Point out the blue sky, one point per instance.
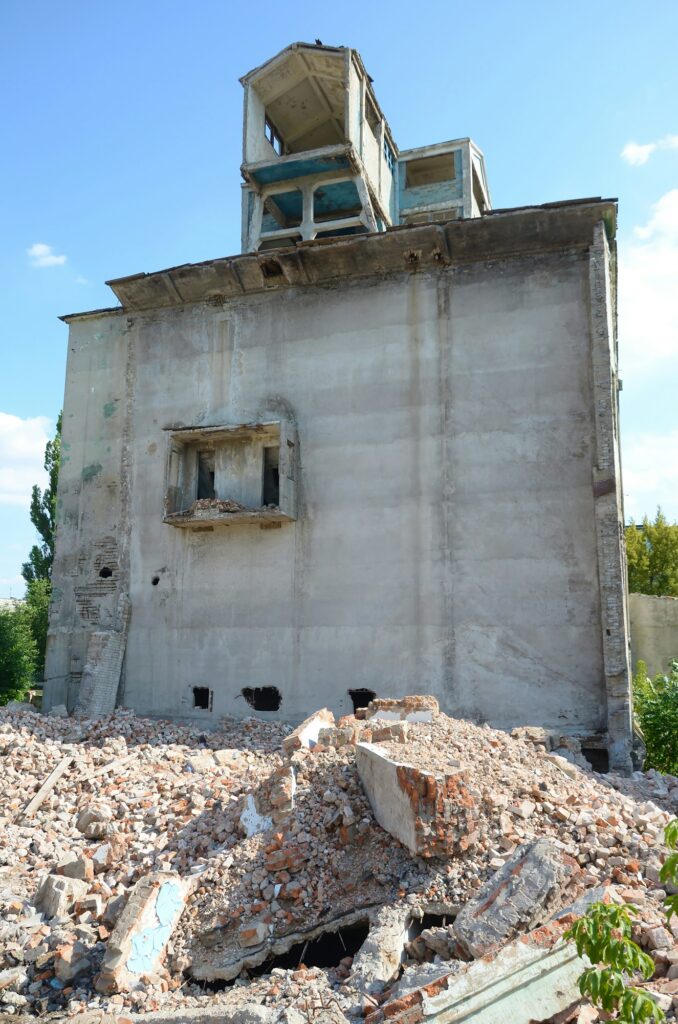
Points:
(121, 145)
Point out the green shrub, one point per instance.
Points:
(656, 711)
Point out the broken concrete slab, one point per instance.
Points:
(57, 895)
(306, 734)
(137, 943)
(433, 815)
(535, 882)
(378, 960)
(529, 979)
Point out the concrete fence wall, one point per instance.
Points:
(654, 631)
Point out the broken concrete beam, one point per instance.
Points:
(530, 979)
(57, 895)
(417, 707)
(534, 883)
(433, 815)
(378, 960)
(138, 941)
(306, 735)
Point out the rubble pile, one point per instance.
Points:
(370, 868)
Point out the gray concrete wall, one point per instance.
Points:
(446, 540)
(654, 631)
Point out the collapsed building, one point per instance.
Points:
(395, 866)
(375, 453)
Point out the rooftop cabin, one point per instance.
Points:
(319, 159)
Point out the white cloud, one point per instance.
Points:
(22, 451)
(81, 280)
(650, 470)
(638, 154)
(42, 255)
(648, 291)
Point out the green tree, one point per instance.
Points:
(18, 653)
(38, 594)
(652, 556)
(43, 515)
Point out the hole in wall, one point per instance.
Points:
(202, 698)
(262, 698)
(155, 581)
(271, 268)
(105, 572)
(361, 698)
(598, 758)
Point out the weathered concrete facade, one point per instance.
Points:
(654, 631)
(447, 398)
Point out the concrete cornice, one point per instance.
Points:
(499, 234)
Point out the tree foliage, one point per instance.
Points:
(603, 935)
(43, 515)
(18, 653)
(38, 594)
(652, 556)
(655, 707)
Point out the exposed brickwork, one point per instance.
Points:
(446, 813)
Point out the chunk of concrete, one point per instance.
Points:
(534, 883)
(306, 735)
(93, 821)
(77, 867)
(433, 815)
(58, 894)
(137, 944)
(378, 960)
(530, 979)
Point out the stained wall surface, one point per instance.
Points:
(654, 631)
(446, 537)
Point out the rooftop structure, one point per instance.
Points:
(320, 160)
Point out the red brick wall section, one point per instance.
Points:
(446, 813)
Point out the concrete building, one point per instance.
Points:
(375, 452)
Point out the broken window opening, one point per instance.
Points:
(271, 494)
(429, 170)
(262, 698)
(361, 698)
(202, 698)
(206, 475)
(105, 572)
(274, 136)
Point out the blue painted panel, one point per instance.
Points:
(340, 196)
(150, 942)
(298, 169)
(290, 204)
(423, 195)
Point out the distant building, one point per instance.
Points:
(375, 452)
